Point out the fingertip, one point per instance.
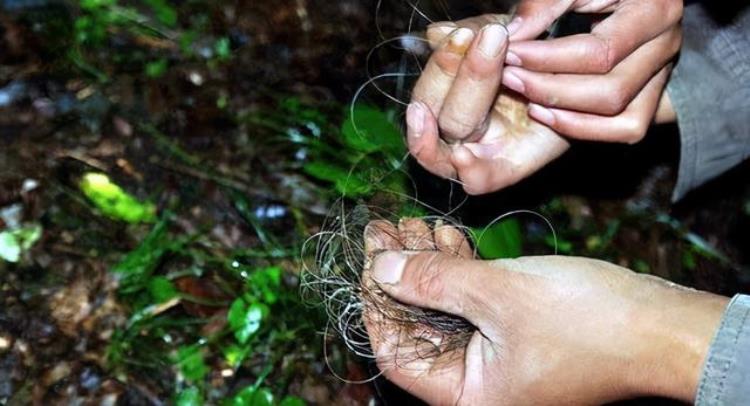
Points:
(512, 79)
(514, 25)
(415, 118)
(438, 32)
(542, 114)
(512, 59)
(380, 235)
(493, 40)
(460, 40)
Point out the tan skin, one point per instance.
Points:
(456, 130)
(551, 330)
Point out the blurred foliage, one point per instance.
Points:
(14, 242)
(114, 202)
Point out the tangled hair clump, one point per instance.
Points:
(334, 262)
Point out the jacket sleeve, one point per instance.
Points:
(710, 91)
(725, 379)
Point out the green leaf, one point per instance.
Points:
(189, 397)
(266, 283)
(252, 396)
(161, 289)
(353, 186)
(325, 171)
(235, 354)
(138, 265)
(114, 202)
(164, 12)
(156, 69)
(369, 130)
(292, 401)
(13, 243)
(190, 362)
(346, 183)
(501, 240)
(222, 48)
(245, 320)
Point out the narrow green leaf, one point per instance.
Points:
(114, 202)
(140, 263)
(161, 289)
(325, 171)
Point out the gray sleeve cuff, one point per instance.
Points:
(709, 90)
(725, 379)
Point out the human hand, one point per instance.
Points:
(604, 85)
(550, 330)
(460, 126)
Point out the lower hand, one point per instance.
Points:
(550, 330)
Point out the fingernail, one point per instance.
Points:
(415, 118)
(460, 40)
(541, 114)
(512, 59)
(513, 82)
(492, 39)
(514, 25)
(443, 28)
(389, 267)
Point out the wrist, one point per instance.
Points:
(677, 329)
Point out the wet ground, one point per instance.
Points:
(212, 112)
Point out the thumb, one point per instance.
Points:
(436, 281)
(533, 17)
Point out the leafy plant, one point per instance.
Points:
(371, 150)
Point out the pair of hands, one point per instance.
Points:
(550, 330)
(468, 119)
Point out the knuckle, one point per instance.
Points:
(601, 54)
(633, 130)
(427, 282)
(617, 99)
(456, 126)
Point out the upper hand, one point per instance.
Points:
(461, 126)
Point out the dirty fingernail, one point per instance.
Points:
(493, 37)
(389, 267)
(443, 29)
(415, 118)
(512, 59)
(514, 25)
(460, 40)
(513, 82)
(542, 114)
